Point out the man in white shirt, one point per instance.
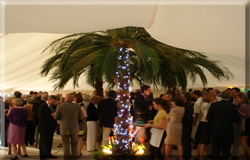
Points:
(197, 111)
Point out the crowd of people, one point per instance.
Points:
(208, 119)
(214, 121)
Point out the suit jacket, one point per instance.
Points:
(92, 113)
(221, 116)
(3, 106)
(141, 108)
(188, 114)
(35, 110)
(107, 110)
(69, 114)
(46, 120)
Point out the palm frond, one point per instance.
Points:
(95, 55)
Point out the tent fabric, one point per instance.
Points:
(217, 30)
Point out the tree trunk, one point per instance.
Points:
(172, 90)
(99, 88)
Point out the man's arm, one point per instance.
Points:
(57, 115)
(197, 110)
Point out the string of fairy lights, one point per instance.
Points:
(123, 126)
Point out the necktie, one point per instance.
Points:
(51, 109)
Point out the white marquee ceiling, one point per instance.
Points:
(216, 28)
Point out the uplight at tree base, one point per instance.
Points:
(134, 149)
(107, 151)
(140, 152)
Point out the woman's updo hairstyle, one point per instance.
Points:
(165, 104)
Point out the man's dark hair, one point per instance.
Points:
(112, 94)
(18, 94)
(236, 89)
(31, 92)
(197, 92)
(38, 98)
(144, 87)
(209, 89)
(35, 93)
(52, 97)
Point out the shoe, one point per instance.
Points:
(79, 156)
(51, 156)
(26, 155)
(14, 158)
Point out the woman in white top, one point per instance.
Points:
(204, 132)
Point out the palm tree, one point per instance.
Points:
(95, 54)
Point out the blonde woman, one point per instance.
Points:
(174, 128)
(92, 123)
(30, 128)
(16, 131)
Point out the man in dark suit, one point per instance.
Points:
(234, 93)
(37, 103)
(187, 121)
(46, 127)
(221, 116)
(142, 110)
(141, 104)
(107, 110)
